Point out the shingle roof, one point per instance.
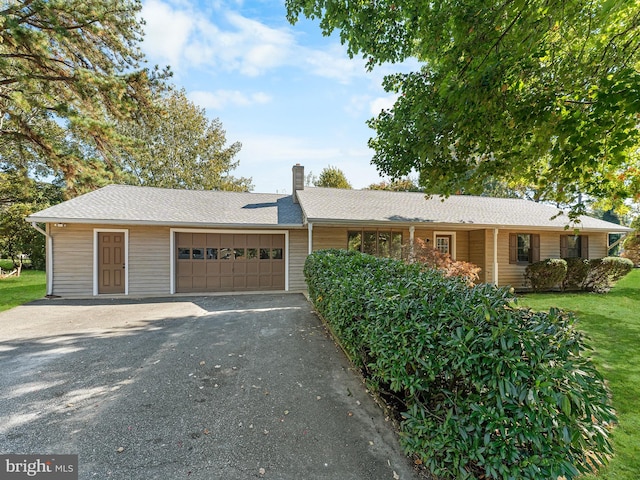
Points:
(160, 206)
(125, 204)
(329, 205)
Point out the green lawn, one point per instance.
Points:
(15, 291)
(612, 322)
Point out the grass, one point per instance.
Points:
(612, 323)
(14, 291)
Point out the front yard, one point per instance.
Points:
(14, 291)
(612, 322)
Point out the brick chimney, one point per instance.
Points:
(298, 180)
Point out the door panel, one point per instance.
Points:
(111, 267)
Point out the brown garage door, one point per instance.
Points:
(221, 262)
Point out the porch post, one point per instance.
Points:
(412, 231)
(495, 256)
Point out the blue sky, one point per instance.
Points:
(287, 93)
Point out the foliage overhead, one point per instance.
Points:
(531, 92)
(176, 146)
(332, 177)
(69, 69)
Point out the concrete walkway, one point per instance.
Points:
(221, 387)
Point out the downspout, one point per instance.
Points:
(495, 257)
(48, 257)
(310, 227)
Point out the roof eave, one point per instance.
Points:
(92, 221)
(462, 225)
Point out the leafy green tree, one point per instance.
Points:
(537, 93)
(176, 146)
(332, 177)
(406, 184)
(20, 196)
(69, 69)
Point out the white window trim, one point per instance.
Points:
(172, 245)
(452, 247)
(96, 231)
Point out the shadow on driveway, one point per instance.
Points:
(228, 387)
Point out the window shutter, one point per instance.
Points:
(584, 246)
(535, 248)
(513, 248)
(564, 246)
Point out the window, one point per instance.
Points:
(443, 243)
(524, 248)
(381, 243)
(574, 246)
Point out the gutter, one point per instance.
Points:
(426, 224)
(48, 258)
(154, 223)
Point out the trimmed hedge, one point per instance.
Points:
(484, 389)
(595, 275)
(577, 271)
(546, 274)
(604, 272)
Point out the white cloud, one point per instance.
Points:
(184, 37)
(381, 103)
(166, 32)
(333, 63)
(221, 98)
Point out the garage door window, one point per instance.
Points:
(184, 253)
(212, 253)
(198, 253)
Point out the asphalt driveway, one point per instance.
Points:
(221, 387)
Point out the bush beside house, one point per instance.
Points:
(632, 248)
(595, 275)
(482, 389)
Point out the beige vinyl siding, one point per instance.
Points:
(72, 260)
(477, 252)
(298, 249)
(149, 261)
(330, 237)
(598, 245)
(462, 246)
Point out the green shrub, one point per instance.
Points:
(577, 271)
(604, 272)
(631, 247)
(546, 274)
(484, 389)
